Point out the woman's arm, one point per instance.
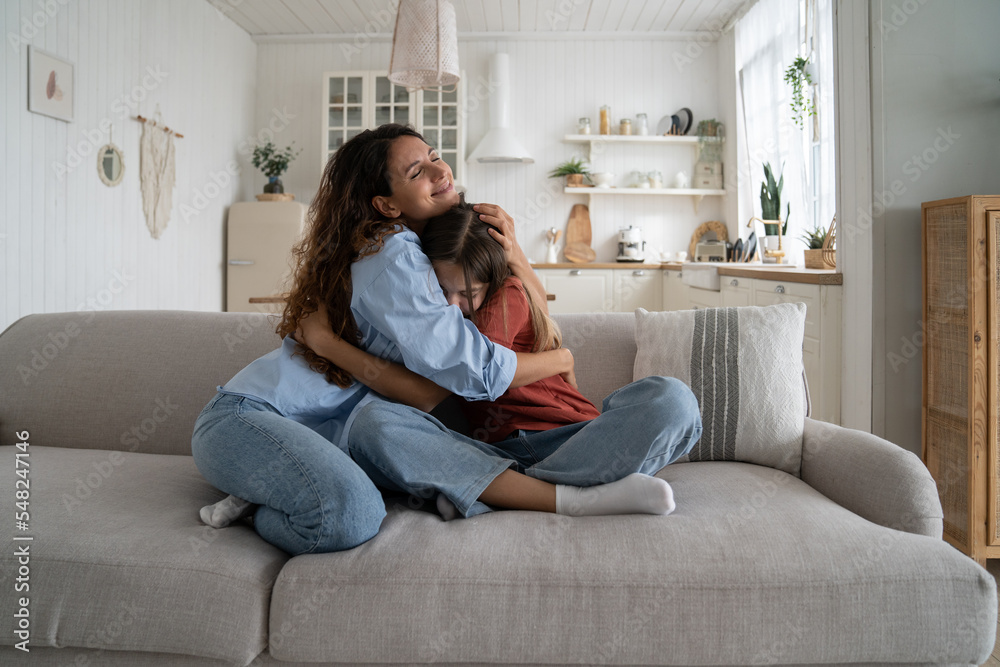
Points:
(503, 232)
(393, 381)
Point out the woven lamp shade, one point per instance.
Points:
(424, 45)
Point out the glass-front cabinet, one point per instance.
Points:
(360, 100)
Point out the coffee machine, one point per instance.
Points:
(631, 247)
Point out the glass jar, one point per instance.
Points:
(625, 126)
(583, 126)
(641, 124)
(605, 119)
(655, 179)
(637, 180)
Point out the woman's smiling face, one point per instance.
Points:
(422, 183)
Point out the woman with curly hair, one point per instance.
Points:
(274, 436)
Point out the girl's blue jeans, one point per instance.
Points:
(313, 498)
(643, 427)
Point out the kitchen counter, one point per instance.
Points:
(759, 271)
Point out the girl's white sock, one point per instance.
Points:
(634, 494)
(446, 508)
(226, 511)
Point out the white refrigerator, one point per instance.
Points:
(260, 236)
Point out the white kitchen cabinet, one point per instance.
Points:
(735, 292)
(609, 290)
(821, 346)
(354, 101)
(702, 298)
(637, 288)
(674, 291)
(579, 290)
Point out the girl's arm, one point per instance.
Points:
(503, 231)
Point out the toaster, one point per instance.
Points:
(710, 251)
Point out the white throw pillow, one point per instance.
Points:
(744, 366)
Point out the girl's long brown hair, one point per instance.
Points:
(344, 226)
(459, 237)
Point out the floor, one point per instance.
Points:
(994, 568)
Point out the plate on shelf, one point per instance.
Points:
(663, 127)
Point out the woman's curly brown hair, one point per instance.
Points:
(344, 226)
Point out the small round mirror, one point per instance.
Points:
(110, 165)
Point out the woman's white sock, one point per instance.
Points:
(635, 494)
(226, 511)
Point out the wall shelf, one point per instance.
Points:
(637, 139)
(696, 194)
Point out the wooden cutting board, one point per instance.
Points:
(578, 227)
(579, 253)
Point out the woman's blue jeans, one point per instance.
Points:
(643, 427)
(313, 498)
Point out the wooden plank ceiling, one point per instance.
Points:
(349, 17)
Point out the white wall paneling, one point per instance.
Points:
(66, 240)
(553, 83)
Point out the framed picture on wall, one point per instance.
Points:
(50, 85)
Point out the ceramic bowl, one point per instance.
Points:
(602, 179)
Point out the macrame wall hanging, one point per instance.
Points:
(156, 172)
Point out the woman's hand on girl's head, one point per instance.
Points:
(502, 229)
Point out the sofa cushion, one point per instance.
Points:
(754, 567)
(744, 365)
(120, 560)
(603, 346)
(127, 380)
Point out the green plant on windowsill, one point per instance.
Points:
(798, 77)
(574, 169)
(770, 203)
(814, 239)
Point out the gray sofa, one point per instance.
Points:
(841, 565)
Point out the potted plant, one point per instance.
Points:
(770, 204)
(574, 169)
(797, 75)
(273, 163)
(818, 255)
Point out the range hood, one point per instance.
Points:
(500, 144)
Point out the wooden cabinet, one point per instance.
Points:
(961, 367)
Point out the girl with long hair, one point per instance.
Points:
(546, 429)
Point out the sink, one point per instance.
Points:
(703, 275)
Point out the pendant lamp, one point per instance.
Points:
(424, 45)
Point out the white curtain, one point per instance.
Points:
(768, 39)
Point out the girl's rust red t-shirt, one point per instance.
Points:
(506, 320)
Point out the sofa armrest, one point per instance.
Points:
(872, 477)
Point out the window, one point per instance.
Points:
(768, 39)
(362, 100)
